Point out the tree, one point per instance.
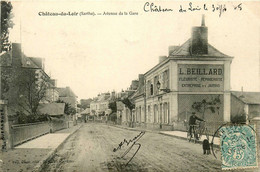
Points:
(69, 110)
(202, 106)
(32, 90)
(129, 105)
(112, 106)
(6, 24)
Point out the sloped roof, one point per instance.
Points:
(139, 92)
(185, 50)
(104, 97)
(247, 97)
(86, 111)
(52, 108)
(66, 92)
(38, 61)
(27, 62)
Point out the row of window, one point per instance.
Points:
(160, 81)
(158, 113)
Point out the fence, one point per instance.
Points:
(58, 124)
(24, 132)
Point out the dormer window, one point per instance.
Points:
(28, 62)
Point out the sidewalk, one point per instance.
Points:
(183, 135)
(32, 155)
(176, 134)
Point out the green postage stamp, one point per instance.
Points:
(238, 147)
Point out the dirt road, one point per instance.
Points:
(91, 149)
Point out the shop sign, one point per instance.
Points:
(200, 77)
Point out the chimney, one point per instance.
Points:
(16, 50)
(162, 58)
(141, 79)
(16, 54)
(199, 40)
(113, 94)
(134, 85)
(172, 48)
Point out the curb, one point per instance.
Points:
(159, 132)
(134, 129)
(183, 138)
(51, 154)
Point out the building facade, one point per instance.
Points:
(100, 105)
(24, 82)
(68, 96)
(194, 77)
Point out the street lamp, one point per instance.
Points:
(158, 85)
(166, 90)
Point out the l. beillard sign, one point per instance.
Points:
(200, 77)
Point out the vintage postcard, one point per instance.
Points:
(129, 85)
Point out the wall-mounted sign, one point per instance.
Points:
(200, 77)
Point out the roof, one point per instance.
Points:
(139, 92)
(185, 50)
(103, 97)
(247, 97)
(52, 108)
(28, 62)
(86, 111)
(66, 92)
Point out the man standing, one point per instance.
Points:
(192, 122)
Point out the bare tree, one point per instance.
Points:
(32, 90)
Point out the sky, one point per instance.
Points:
(101, 53)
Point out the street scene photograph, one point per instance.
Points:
(129, 86)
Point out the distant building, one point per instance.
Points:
(68, 96)
(52, 94)
(17, 67)
(245, 103)
(100, 104)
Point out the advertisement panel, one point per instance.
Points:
(200, 77)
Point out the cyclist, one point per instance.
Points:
(192, 122)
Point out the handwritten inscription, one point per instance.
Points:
(133, 143)
(151, 7)
(191, 7)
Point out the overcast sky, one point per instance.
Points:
(94, 54)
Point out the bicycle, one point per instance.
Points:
(194, 133)
(203, 130)
(198, 131)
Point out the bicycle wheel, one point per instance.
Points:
(188, 136)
